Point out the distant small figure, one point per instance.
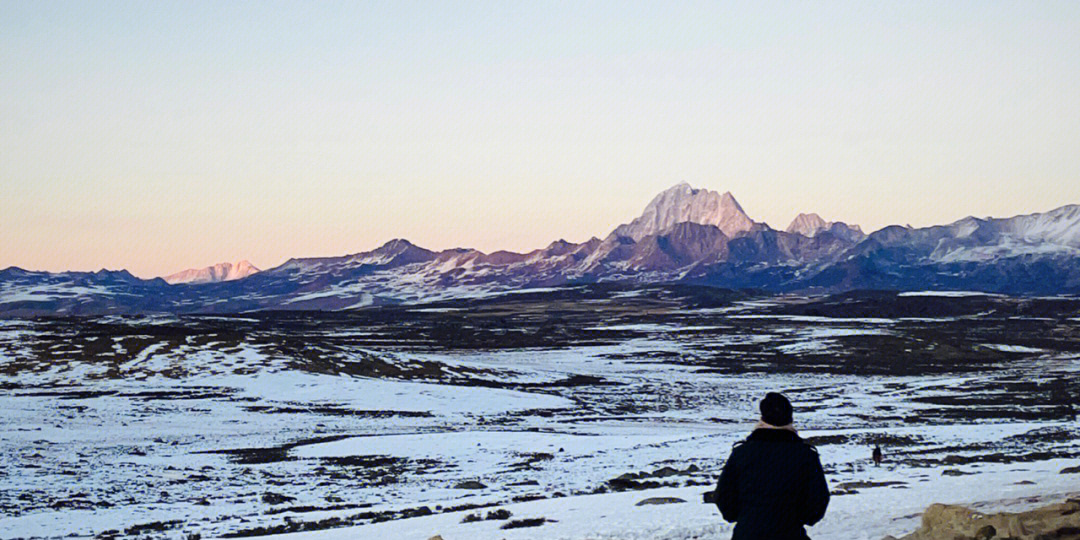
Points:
(878, 456)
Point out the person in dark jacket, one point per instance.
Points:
(773, 484)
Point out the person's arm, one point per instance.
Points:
(727, 491)
(817, 492)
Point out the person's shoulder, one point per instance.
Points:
(806, 444)
(741, 447)
(808, 450)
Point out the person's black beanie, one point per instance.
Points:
(775, 409)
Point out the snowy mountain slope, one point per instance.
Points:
(1056, 232)
(1060, 226)
(973, 239)
(24, 292)
(1031, 254)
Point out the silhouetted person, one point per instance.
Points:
(877, 455)
(772, 485)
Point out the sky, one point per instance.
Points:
(159, 136)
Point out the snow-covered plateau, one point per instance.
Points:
(548, 414)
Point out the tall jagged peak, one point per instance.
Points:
(683, 203)
(811, 224)
(808, 224)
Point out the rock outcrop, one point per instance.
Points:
(951, 522)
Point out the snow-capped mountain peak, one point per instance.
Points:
(685, 204)
(213, 274)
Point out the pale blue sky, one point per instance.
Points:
(156, 136)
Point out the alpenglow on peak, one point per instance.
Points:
(213, 274)
(681, 204)
(808, 225)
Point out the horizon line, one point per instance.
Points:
(482, 252)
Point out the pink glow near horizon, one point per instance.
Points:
(163, 136)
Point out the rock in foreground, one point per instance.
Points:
(951, 522)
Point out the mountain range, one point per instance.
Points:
(684, 235)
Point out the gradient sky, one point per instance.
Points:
(157, 136)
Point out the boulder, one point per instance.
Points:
(954, 472)
(659, 500)
(470, 484)
(276, 498)
(664, 472)
(949, 522)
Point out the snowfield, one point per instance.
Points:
(408, 423)
(867, 515)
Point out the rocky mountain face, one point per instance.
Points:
(684, 204)
(684, 235)
(212, 274)
(807, 225)
(810, 225)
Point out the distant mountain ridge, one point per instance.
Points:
(810, 225)
(212, 274)
(684, 235)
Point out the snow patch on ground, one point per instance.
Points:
(1012, 348)
(362, 393)
(947, 294)
(814, 319)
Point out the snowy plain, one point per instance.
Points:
(220, 426)
(868, 515)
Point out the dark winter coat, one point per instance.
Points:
(771, 486)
